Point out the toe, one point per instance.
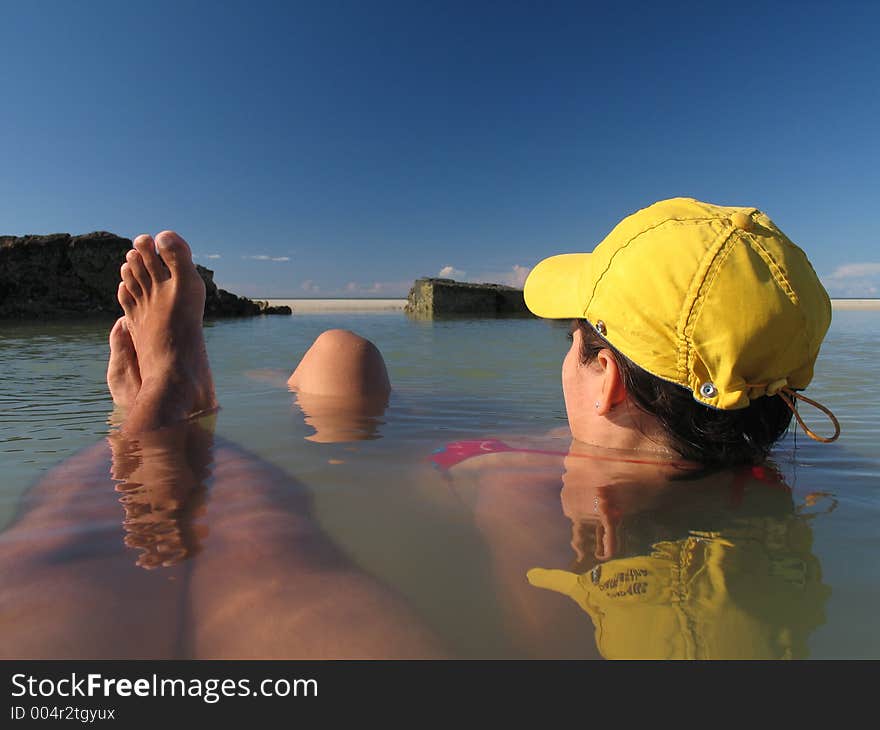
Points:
(116, 333)
(120, 336)
(146, 247)
(125, 299)
(130, 282)
(175, 253)
(123, 375)
(139, 270)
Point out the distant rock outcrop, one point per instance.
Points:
(432, 297)
(60, 275)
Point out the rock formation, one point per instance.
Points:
(60, 275)
(439, 297)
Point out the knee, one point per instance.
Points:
(338, 338)
(342, 363)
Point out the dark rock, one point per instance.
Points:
(440, 297)
(60, 275)
(56, 275)
(278, 309)
(221, 303)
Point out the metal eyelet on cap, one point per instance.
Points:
(708, 390)
(600, 327)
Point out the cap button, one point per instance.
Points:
(741, 220)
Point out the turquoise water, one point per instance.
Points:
(429, 538)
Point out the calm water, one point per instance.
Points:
(798, 571)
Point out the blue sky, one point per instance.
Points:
(346, 148)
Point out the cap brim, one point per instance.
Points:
(560, 287)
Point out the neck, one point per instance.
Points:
(624, 428)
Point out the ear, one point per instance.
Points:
(613, 391)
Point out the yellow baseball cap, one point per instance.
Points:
(716, 299)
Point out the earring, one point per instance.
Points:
(597, 404)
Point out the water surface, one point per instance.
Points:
(422, 535)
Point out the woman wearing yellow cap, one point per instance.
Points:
(695, 326)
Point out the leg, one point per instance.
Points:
(342, 387)
(339, 364)
(269, 584)
(263, 559)
(71, 588)
(516, 506)
(343, 365)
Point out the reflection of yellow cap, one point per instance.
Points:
(755, 594)
(716, 299)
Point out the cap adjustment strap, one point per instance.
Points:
(789, 396)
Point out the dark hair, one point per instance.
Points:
(712, 437)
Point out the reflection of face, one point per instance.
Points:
(586, 501)
(598, 495)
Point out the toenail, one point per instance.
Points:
(165, 238)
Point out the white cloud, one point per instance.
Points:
(310, 287)
(515, 277)
(857, 280)
(450, 272)
(264, 257)
(213, 256)
(853, 288)
(856, 271)
(518, 276)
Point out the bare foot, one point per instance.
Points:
(123, 373)
(164, 300)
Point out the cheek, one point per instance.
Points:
(569, 371)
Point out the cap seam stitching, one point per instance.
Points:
(632, 240)
(776, 270)
(779, 276)
(722, 253)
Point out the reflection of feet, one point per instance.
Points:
(123, 373)
(163, 300)
(161, 485)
